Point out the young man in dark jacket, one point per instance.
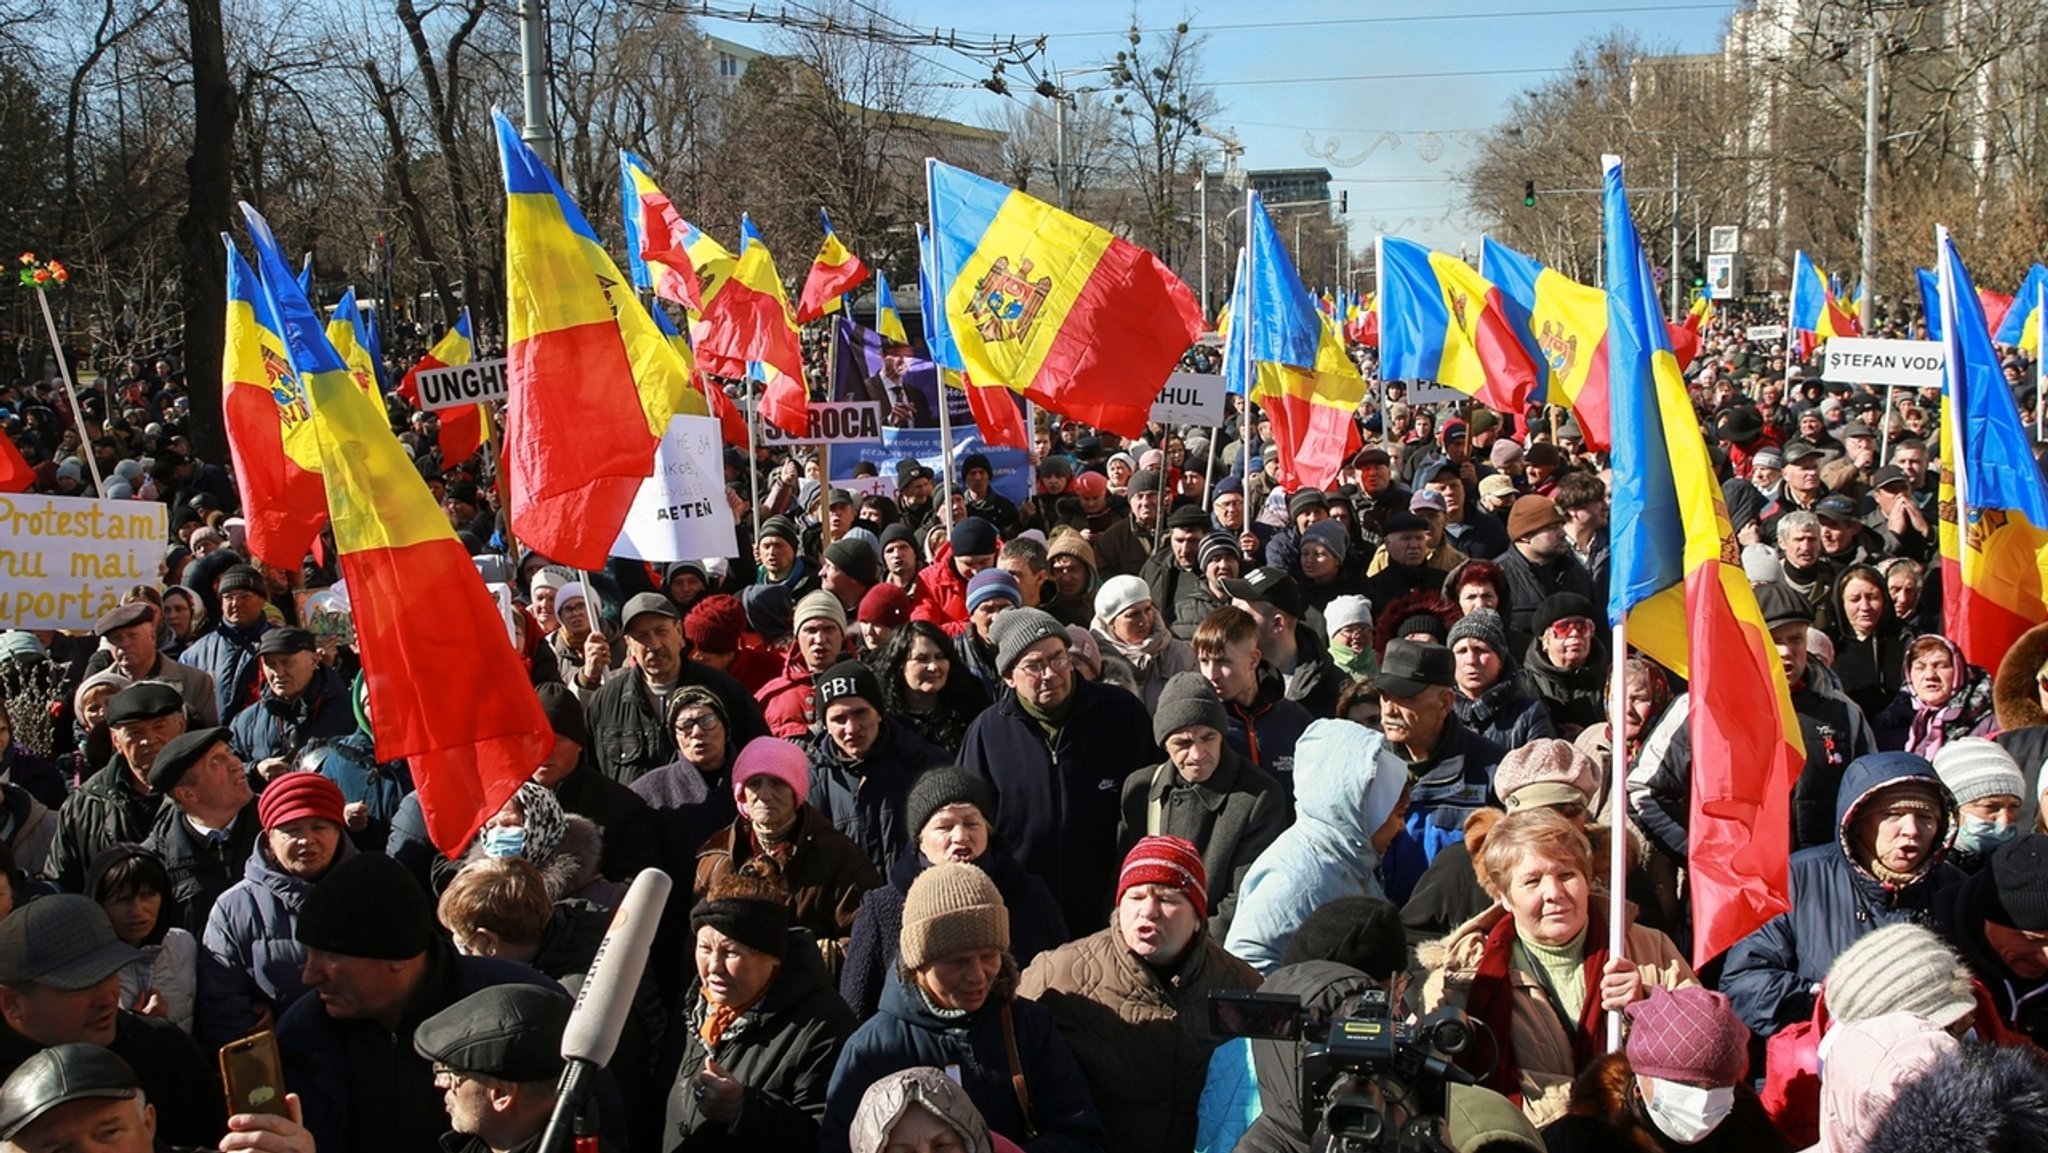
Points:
(863, 764)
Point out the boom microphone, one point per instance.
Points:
(606, 999)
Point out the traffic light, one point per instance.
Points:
(1528, 194)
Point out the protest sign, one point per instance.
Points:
(680, 512)
(1905, 363)
(66, 560)
(473, 383)
(1190, 398)
(834, 422)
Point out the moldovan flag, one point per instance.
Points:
(1813, 308)
(888, 321)
(1563, 326)
(462, 427)
(2022, 323)
(269, 423)
(993, 406)
(1442, 321)
(1678, 581)
(835, 271)
(1995, 564)
(446, 691)
(750, 320)
(1284, 352)
(591, 381)
(669, 256)
(1043, 303)
(351, 340)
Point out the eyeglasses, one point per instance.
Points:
(1055, 666)
(700, 723)
(1572, 627)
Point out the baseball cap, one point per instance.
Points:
(1270, 585)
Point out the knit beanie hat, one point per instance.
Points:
(768, 610)
(689, 696)
(1483, 625)
(243, 578)
(884, 605)
(1345, 611)
(298, 795)
(1187, 699)
(783, 527)
(715, 623)
(1363, 932)
(760, 925)
(992, 584)
(568, 594)
(550, 577)
(1504, 452)
(1546, 771)
(941, 787)
(564, 713)
(367, 906)
(771, 757)
(1118, 595)
(1017, 630)
(1332, 535)
(2019, 884)
(819, 605)
(1306, 499)
(1900, 968)
(1688, 1035)
(1086, 653)
(1169, 861)
(972, 536)
(848, 678)
(852, 557)
(1974, 768)
(1214, 545)
(1559, 606)
(952, 909)
(1069, 543)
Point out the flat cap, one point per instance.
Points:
(144, 702)
(280, 641)
(63, 941)
(60, 1075)
(179, 756)
(649, 603)
(510, 1032)
(121, 616)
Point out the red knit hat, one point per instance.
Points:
(715, 624)
(1169, 861)
(884, 605)
(297, 795)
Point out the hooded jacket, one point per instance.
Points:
(864, 799)
(1343, 792)
(2023, 727)
(249, 955)
(1772, 974)
(941, 593)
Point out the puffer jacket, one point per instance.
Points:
(864, 799)
(908, 1032)
(941, 593)
(275, 727)
(789, 703)
(250, 954)
(1344, 792)
(1772, 974)
(1140, 1035)
(2023, 727)
(1232, 817)
(228, 655)
(1452, 784)
(782, 1048)
(1506, 713)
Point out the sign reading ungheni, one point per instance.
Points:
(65, 560)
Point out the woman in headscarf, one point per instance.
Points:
(1944, 697)
(565, 847)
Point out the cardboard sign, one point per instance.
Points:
(473, 383)
(1860, 360)
(1764, 333)
(680, 512)
(832, 422)
(65, 560)
(1190, 398)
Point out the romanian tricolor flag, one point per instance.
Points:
(269, 424)
(1562, 324)
(1995, 563)
(2021, 325)
(749, 318)
(1813, 308)
(462, 427)
(888, 321)
(835, 271)
(1041, 302)
(446, 691)
(1283, 352)
(732, 425)
(1679, 585)
(350, 336)
(670, 257)
(1442, 321)
(591, 381)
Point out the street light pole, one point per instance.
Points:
(533, 78)
(1202, 193)
(1869, 223)
(1060, 99)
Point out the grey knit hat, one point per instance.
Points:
(952, 909)
(1015, 630)
(944, 786)
(1187, 699)
(1974, 768)
(1900, 968)
(1483, 625)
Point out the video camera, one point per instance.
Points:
(1375, 1083)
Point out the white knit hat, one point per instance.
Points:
(1119, 594)
(1347, 610)
(1900, 968)
(1974, 768)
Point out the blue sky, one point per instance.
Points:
(1406, 182)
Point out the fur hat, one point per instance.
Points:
(951, 908)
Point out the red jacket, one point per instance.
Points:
(941, 595)
(788, 703)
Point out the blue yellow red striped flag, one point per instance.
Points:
(1442, 321)
(835, 271)
(888, 321)
(270, 434)
(462, 427)
(1812, 306)
(350, 337)
(669, 257)
(1563, 326)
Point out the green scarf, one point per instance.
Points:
(1359, 665)
(1051, 720)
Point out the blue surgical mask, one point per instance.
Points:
(1980, 836)
(505, 841)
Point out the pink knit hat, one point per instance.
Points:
(771, 757)
(1687, 1035)
(1863, 1067)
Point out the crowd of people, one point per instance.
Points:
(972, 803)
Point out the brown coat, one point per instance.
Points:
(1141, 1037)
(827, 875)
(1542, 1048)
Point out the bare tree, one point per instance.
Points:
(1159, 105)
(206, 216)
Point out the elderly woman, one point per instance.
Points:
(1944, 697)
(1129, 625)
(1566, 664)
(953, 1005)
(565, 847)
(691, 797)
(1536, 970)
(1987, 785)
(1133, 999)
(583, 653)
(764, 1026)
(953, 812)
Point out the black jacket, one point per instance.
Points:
(1231, 818)
(176, 1075)
(631, 739)
(200, 869)
(629, 841)
(275, 727)
(109, 808)
(1529, 585)
(864, 799)
(1960, 912)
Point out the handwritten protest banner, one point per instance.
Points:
(680, 512)
(65, 560)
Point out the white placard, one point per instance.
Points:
(66, 560)
(832, 422)
(680, 512)
(473, 383)
(1190, 398)
(1764, 333)
(1430, 392)
(1861, 360)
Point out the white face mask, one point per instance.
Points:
(1687, 1114)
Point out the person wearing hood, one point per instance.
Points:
(1944, 697)
(953, 812)
(941, 593)
(1679, 1083)
(1971, 1098)
(1895, 820)
(1998, 921)
(1869, 1065)
(1986, 784)
(952, 1004)
(863, 763)
(565, 848)
(1566, 665)
(1348, 809)
(1449, 767)
(1491, 700)
(227, 652)
(1870, 639)
(2019, 694)
(1132, 999)
(129, 884)
(250, 961)
(1128, 623)
(303, 700)
(921, 1108)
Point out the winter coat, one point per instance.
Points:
(628, 825)
(250, 956)
(2023, 727)
(1035, 924)
(1232, 817)
(276, 727)
(789, 703)
(1506, 713)
(228, 655)
(1530, 584)
(630, 738)
(195, 685)
(1872, 668)
(1455, 782)
(1542, 1049)
(864, 799)
(782, 1048)
(201, 869)
(826, 874)
(941, 593)
(1772, 974)
(1960, 912)
(1280, 1125)
(31, 828)
(1058, 796)
(1141, 1036)
(109, 808)
(175, 1075)
(1123, 548)
(1605, 1115)
(1343, 793)
(1156, 660)
(1315, 681)
(1911, 725)
(908, 1032)
(1575, 697)
(1265, 732)
(168, 969)
(39, 776)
